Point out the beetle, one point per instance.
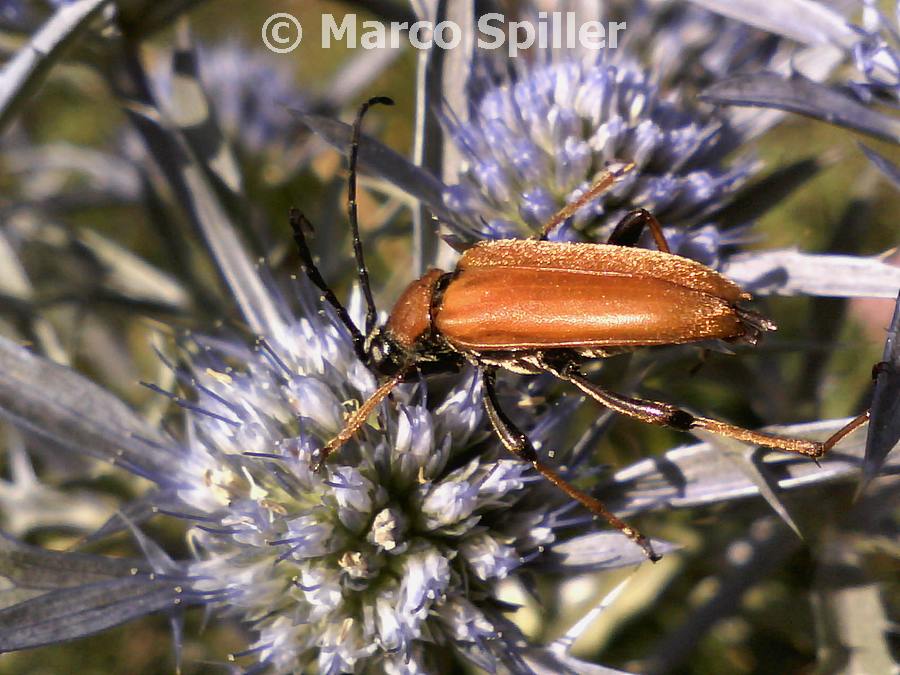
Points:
(534, 306)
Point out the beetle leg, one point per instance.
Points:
(517, 443)
(666, 415)
(601, 185)
(358, 418)
(629, 230)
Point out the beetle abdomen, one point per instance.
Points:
(521, 308)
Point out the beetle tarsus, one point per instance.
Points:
(845, 430)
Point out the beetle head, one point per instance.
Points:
(386, 355)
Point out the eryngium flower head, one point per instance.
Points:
(537, 136)
(389, 556)
(250, 93)
(536, 143)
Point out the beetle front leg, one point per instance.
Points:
(517, 443)
(356, 421)
(666, 415)
(630, 228)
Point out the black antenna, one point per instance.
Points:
(362, 271)
(298, 223)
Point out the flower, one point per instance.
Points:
(391, 553)
(396, 547)
(252, 94)
(537, 143)
(539, 137)
(874, 48)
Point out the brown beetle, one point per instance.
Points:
(534, 306)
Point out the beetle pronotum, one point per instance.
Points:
(534, 306)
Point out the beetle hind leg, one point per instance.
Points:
(517, 443)
(666, 415)
(630, 228)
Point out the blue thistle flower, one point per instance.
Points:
(251, 92)
(872, 47)
(536, 143)
(537, 139)
(381, 555)
(385, 559)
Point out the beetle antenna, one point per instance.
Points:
(352, 214)
(299, 222)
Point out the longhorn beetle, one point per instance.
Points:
(534, 306)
